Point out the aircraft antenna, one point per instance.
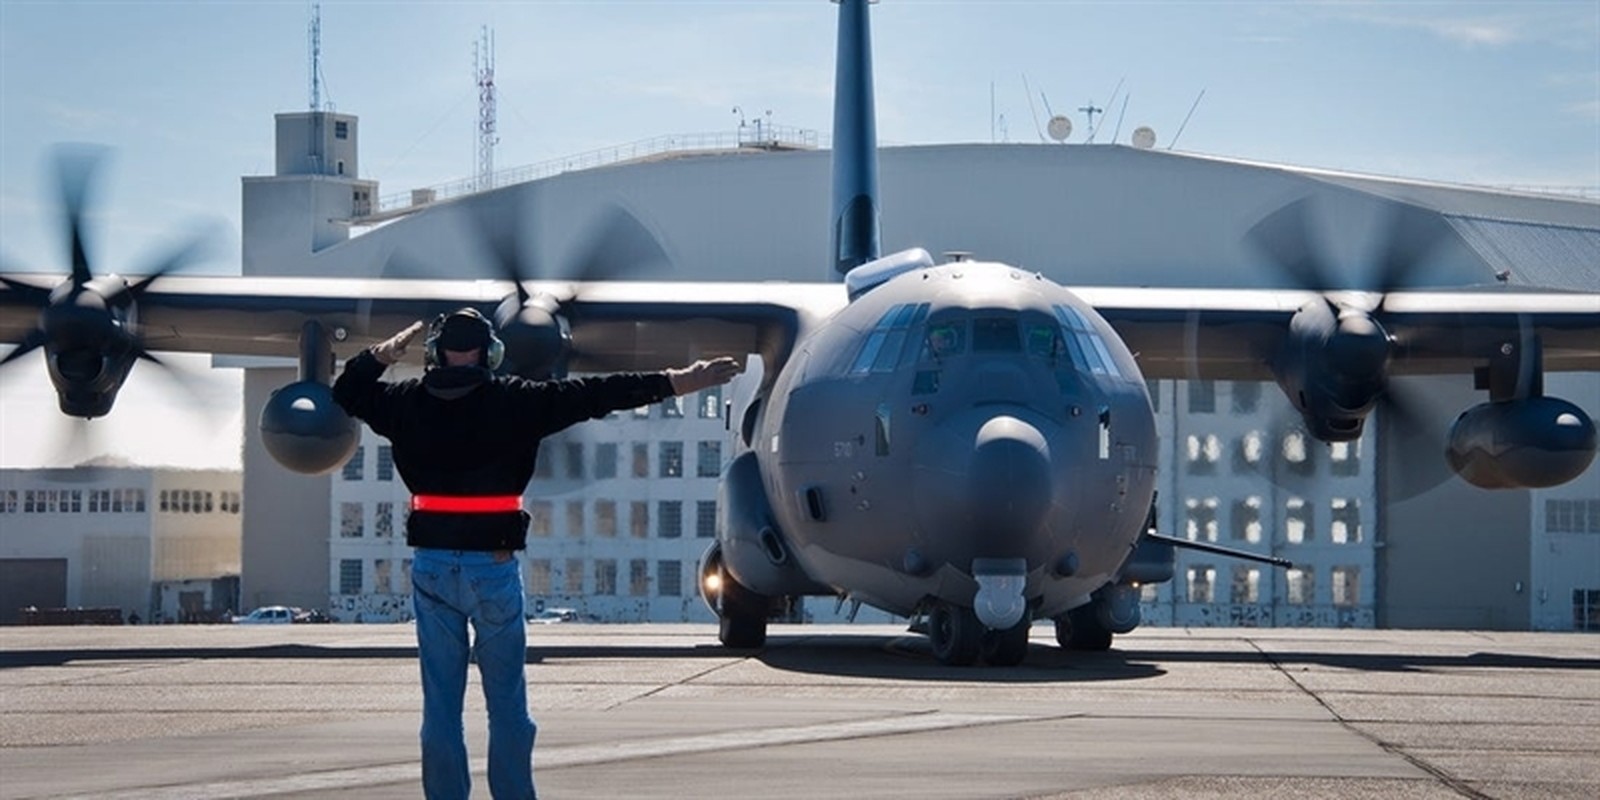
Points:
(1186, 119)
(483, 68)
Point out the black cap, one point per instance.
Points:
(465, 330)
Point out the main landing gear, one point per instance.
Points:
(959, 639)
(1081, 629)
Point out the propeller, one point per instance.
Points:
(87, 324)
(534, 327)
(1334, 362)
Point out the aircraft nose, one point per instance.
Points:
(1008, 483)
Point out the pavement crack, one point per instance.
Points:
(1452, 782)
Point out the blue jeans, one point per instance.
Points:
(450, 587)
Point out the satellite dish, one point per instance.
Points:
(1144, 137)
(1059, 128)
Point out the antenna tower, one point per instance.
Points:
(314, 43)
(483, 64)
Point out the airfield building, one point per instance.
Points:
(161, 544)
(623, 506)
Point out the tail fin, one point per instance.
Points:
(855, 143)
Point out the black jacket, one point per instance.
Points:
(479, 436)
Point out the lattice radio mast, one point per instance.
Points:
(483, 67)
(314, 42)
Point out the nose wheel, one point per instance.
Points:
(959, 639)
(743, 615)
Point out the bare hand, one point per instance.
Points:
(703, 374)
(391, 349)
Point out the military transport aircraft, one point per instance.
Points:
(966, 443)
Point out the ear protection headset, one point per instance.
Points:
(494, 350)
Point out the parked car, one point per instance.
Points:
(268, 615)
(315, 615)
(551, 616)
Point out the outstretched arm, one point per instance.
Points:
(702, 374)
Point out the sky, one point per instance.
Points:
(182, 96)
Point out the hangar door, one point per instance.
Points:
(38, 582)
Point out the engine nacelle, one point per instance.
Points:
(1532, 443)
(305, 430)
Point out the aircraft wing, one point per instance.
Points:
(1231, 334)
(615, 326)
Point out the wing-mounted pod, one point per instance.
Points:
(1520, 438)
(301, 425)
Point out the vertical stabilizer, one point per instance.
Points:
(855, 143)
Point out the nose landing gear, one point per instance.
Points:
(959, 639)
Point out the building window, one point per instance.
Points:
(540, 514)
(705, 519)
(349, 576)
(1344, 523)
(641, 460)
(639, 519)
(1202, 584)
(356, 465)
(575, 518)
(380, 576)
(1297, 456)
(1246, 397)
(575, 460)
(1246, 585)
(638, 578)
(1345, 458)
(383, 520)
(1586, 609)
(543, 464)
(341, 129)
(1248, 450)
(1153, 388)
(573, 577)
(1568, 516)
(385, 462)
(539, 576)
(351, 521)
(605, 460)
(1202, 397)
(8, 501)
(1346, 586)
(1247, 520)
(711, 403)
(405, 576)
(671, 519)
(1302, 586)
(1204, 452)
(671, 460)
(672, 407)
(1201, 525)
(1296, 521)
(669, 578)
(641, 412)
(605, 577)
(709, 463)
(605, 518)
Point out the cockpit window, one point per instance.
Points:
(1043, 341)
(944, 339)
(1085, 344)
(886, 346)
(996, 335)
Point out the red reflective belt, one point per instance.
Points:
(462, 504)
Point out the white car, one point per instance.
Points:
(551, 616)
(267, 615)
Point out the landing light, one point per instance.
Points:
(713, 583)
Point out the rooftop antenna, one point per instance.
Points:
(1095, 131)
(1091, 110)
(1027, 90)
(1120, 114)
(483, 67)
(1186, 119)
(314, 43)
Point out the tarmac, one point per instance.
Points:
(661, 711)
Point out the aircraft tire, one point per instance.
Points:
(743, 623)
(1080, 629)
(956, 634)
(1007, 648)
